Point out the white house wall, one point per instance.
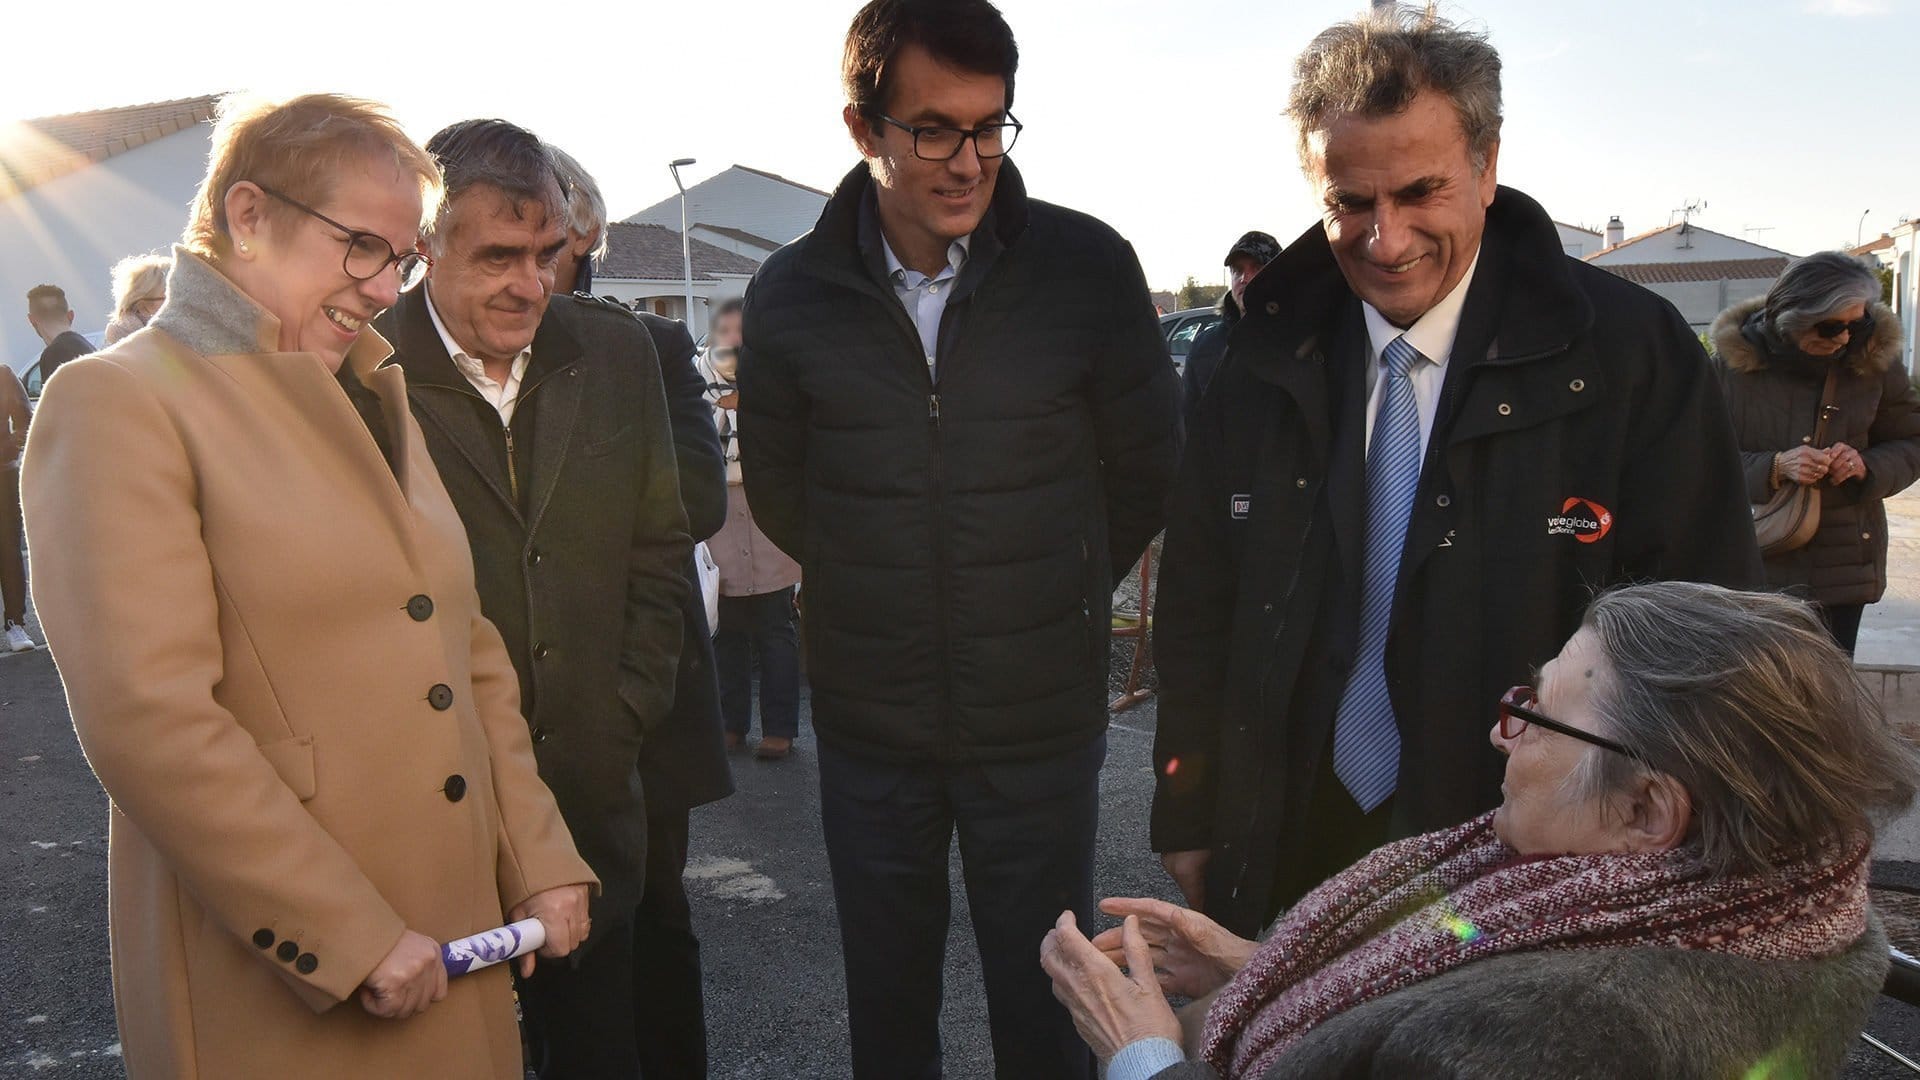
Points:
(1698, 245)
(739, 199)
(70, 231)
(1700, 302)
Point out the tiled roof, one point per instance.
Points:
(1711, 270)
(784, 180)
(652, 252)
(33, 152)
(1650, 233)
(1577, 228)
(1872, 246)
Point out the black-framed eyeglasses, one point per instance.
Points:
(943, 143)
(368, 254)
(1516, 712)
(1833, 328)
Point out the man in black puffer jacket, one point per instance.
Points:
(958, 414)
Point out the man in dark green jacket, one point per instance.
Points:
(958, 415)
(1433, 437)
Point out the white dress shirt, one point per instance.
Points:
(1432, 335)
(502, 396)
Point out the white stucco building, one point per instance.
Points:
(79, 192)
(1701, 271)
(1903, 258)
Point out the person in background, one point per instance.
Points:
(52, 319)
(1244, 259)
(757, 579)
(958, 415)
(262, 606)
(139, 288)
(15, 414)
(1435, 436)
(1674, 884)
(1824, 314)
(547, 419)
(683, 764)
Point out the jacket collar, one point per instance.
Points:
(207, 312)
(422, 354)
(1523, 297)
(832, 248)
(1741, 353)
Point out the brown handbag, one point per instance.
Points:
(1788, 521)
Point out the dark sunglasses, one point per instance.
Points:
(1516, 712)
(1833, 328)
(368, 255)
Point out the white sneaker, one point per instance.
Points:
(17, 639)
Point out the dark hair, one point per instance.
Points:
(968, 34)
(499, 155)
(47, 300)
(732, 305)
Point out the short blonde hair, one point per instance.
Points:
(135, 278)
(297, 147)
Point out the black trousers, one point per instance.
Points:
(1843, 622)
(669, 1013)
(13, 569)
(759, 626)
(575, 1013)
(1026, 848)
(1336, 835)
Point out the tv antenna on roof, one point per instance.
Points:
(1685, 214)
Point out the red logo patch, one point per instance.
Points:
(1583, 519)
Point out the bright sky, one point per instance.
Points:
(1163, 118)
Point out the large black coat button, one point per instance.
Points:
(440, 697)
(263, 938)
(540, 651)
(456, 788)
(535, 557)
(306, 963)
(287, 951)
(420, 607)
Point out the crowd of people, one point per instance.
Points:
(382, 622)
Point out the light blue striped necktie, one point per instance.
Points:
(1366, 742)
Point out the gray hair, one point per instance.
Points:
(495, 154)
(586, 209)
(1375, 65)
(1745, 700)
(1813, 288)
(135, 278)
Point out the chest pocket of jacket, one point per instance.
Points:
(611, 443)
(293, 760)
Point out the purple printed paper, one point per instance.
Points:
(487, 949)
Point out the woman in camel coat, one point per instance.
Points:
(262, 605)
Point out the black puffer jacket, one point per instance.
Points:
(960, 538)
(1775, 403)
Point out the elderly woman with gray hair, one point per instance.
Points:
(1674, 885)
(1824, 316)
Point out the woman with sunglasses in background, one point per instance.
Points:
(261, 602)
(1675, 884)
(1824, 317)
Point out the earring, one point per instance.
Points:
(243, 247)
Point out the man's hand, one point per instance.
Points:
(1192, 955)
(1189, 871)
(563, 912)
(410, 978)
(1110, 1008)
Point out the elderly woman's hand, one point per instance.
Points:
(1844, 464)
(562, 911)
(407, 980)
(1804, 464)
(1192, 955)
(1110, 1008)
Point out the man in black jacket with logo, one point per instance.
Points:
(547, 420)
(1433, 437)
(957, 413)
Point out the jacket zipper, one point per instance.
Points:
(513, 474)
(940, 603)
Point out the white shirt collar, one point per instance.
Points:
(502, 397)
(1432, 333)
(956, 258)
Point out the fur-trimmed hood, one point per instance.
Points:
(1743, 356)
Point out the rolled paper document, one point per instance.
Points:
(477, 951)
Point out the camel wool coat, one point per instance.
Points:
(275, 662)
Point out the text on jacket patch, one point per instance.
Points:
(1239, 506)
(1583, 519)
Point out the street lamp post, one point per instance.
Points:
(1859, 227)
(686, 245)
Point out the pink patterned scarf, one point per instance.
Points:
(1428, 904)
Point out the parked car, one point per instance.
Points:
(1181, 327)
(31, 379)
